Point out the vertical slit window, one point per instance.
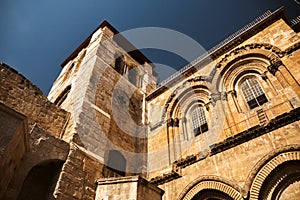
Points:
(62, 97)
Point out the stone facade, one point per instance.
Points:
(226, 126)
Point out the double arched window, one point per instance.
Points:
(253, 92)
(198, 119)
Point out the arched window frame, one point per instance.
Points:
(259, 96)
(197, 124)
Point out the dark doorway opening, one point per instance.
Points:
(41, 180)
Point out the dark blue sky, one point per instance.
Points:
(37, 35)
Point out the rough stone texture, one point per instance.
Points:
(97, 92)
(131, 187)
(78, 177)
(177, 158)
(21, 95)
(113, 109)
(43, 147)
(13, 135)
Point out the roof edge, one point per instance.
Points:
(122, 41)
(223, 47)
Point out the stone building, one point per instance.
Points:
(226, 126)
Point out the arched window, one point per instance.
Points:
(199, 123)
(120, 66)
(253, 93)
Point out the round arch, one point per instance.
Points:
(181, 97)
(260, 50)
(216, 185)
(263, 54)
(271, 170)
(41, 180)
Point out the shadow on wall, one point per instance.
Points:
(40, 182)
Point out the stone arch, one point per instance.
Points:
(262, 50)
(180, 95)
(41, 144)
(269, 165)
(41, 180)
(265, 54)
(198, 93)
(241, 68)
(212, 184)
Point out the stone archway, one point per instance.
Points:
(41, 180)
(210, 189)
(277, 178)
(280, 180)
(210, 194)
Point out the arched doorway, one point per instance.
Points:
(278, 178)
(41, 180)
(212, 188)
(210, 194)
(281, 183)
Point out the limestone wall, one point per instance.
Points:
(79, 174)
(281, 88)
(131, 187)
(21, 95)
(103, 100)
(13, 135)
(178, 160)
(42, 148)
(235, 164)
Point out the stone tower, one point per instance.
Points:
(103, 86)
(225, 126)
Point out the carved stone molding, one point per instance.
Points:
(267, 169)
(167, 177)
(275, 64)
(170, 122)
(264, 75)
(256, 131)
(211, 182)
(241, 50)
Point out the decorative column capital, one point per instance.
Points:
(170, 122)
(215, 96)
(264, 75)
(176, 122)
(231, 92)
(275, 64)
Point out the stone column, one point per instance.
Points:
(265, 77)
(274, 70)
(170, 123)
(231, 95)
(287, 81)
(177, 142)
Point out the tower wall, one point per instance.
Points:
(107, 87)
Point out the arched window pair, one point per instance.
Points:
(253, 95)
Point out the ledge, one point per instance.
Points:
(242, 137)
